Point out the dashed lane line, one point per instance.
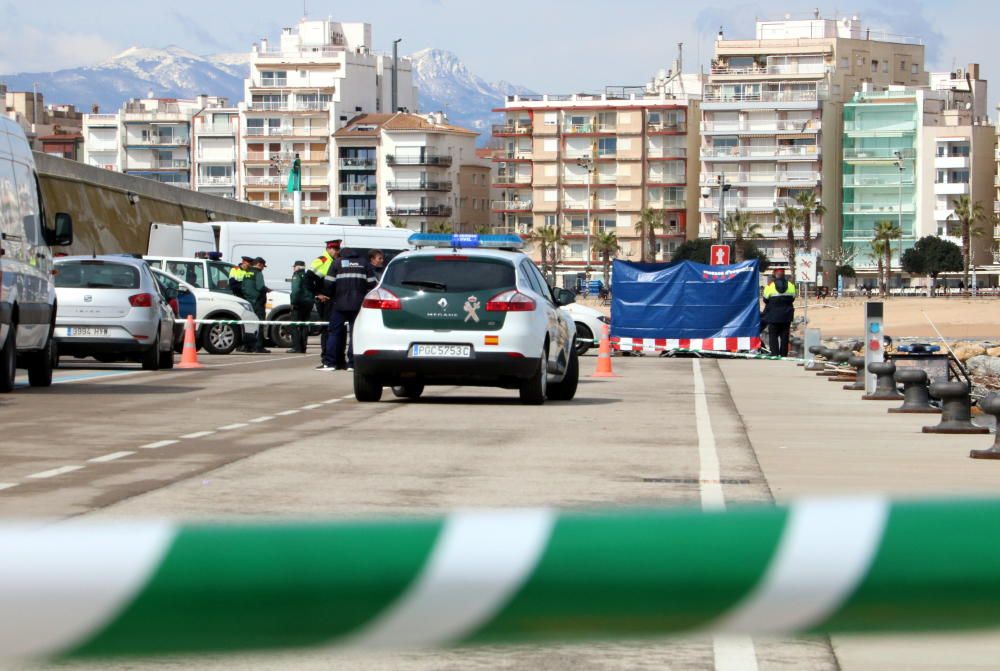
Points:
(348, 396)
(7, 485)
(114, 456)
(158, 444)
(312, 407)
(332, 400)
(196, 434)
(62, 470)
(286, 413)
(233, 427)
(261, 420)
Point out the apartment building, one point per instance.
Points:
(772, 117)
(148, 137)
(301, 90)
(410, 170)
(215, 134)
(591, 163)
(909, 154)
(59, 125)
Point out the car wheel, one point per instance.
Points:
(412, 390)
(584, 339)
(221, 338)
(167, 359)
(40, 365)
(533, 389)
(366, 388)
(8, 360)
(565, 389)
(151, 357)
(281, 334)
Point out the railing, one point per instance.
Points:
(571, 129)
(215, 181)
(878, 153)
(419, 211)
(666, 127)
(785, 69)
(807, 126)
(510, 205)
(581, 205)
(595, 180)
(289, 106)
(516, 155)
(172, 164)
(512, 129)
(357, 164)
(215, 129)
(418, 186)
(862, 127)
(877, 180)
(277, 131)
(101, 146)
(667, 204)
(286, 156)
(170, 116)
(745, 203)
(668, 177)
(158, 140)
(359, 212)
(666, 152)
(273, 83)
(512, 229)
(426, 159)
(877, 208)
(763, 96)
(759, 151)
(338, 47)
(356, 187)
(506, 180)
(711, 179)
(282, 180)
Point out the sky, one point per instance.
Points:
(551, 46)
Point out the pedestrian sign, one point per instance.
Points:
(720, 255)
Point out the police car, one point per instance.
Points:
(465, 310)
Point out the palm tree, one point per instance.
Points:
(549, 241)
(878, 253)
(810, 206)
(968, 214)
(649, 220)
(886, 231)
(397, 222)
(742, 227)
(606, 244)
(790, 218)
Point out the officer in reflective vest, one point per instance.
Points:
(239, 273)
(315, 275)
(779, 311)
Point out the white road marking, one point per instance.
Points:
(286, 413)
(157, 445)
(732, 653)
(313, 406)
(111, 457)
(7, 485)
(62, 470)
(256, 362)
(259, 420)
(348, 396)
(233, 427)
(332, 400)
(196, 434)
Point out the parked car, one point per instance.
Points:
(589, 325)
(28, 301)
(205, 304)
(111, 308)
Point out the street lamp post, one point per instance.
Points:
(723, 188)
(899, 218)
(588, 164)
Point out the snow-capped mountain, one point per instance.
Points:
(444, 82)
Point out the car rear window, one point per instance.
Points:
(449, 275)
(97, 275)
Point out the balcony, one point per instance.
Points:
(891, 209)
(224, 157)
(508, 155)
(95, 147)
(747, 204)
(784, 69)
(581, 205)
(996, 208)
(794, 178)
(510, 205)
(783, 96)
(356, 164)
(511, 129)
(762, 127)
(418, 159)
(216, 181)
(307, 53)
(101, 119)
(512, 181)
(772, 152)
(891, 180)
(304, 156)
(419, 211)
(158, 141)
(951, 188)
(287, 203)
(512, 229)
(356, 187)
(667, 178)
(666, 127)
(594, 180)
(418, 186)
(667, 204)
(877, 154)
(290, 106)
(951, 162)
(286, 131)
(215, 129)
(665, 153)
(359, 212)
(589, 129)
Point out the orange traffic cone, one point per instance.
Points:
(189, 355)
(604, 357)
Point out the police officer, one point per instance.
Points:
(315, 275)
(779, 311)
(255, 293)
(352, 278)
(302, 305)
(239, 273)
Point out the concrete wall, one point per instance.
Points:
(106, 222)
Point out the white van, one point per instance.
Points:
(27, 290)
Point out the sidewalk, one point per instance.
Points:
(812, 438)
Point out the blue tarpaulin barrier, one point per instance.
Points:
(685, 301)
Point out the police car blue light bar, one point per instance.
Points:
(466, 241)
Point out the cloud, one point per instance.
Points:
(195, 30)
(32, 50)
(736, 21)
(910, 21)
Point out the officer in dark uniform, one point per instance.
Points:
(351, 277)
(302, 306)
(315, 275)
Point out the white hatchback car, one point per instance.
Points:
(111, 308)
(465, 310)
(590, 325)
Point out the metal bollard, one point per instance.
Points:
(815, 364)
(991, 406)
(885, 382)
(828, 354)
(858, 363)
(956, 409)
(841, 358)
(916, 397)
(795, 348)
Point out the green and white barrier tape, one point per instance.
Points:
(260, 322)
(79, 589)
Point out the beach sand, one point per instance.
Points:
(956, 318)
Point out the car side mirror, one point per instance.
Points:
(62, 234)
(183, 290)
(564, 297)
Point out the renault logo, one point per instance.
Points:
(443, 303)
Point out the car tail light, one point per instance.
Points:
(510, 301)
(382, 299)
(141, 300)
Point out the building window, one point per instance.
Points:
(845, 62)
(606, 224)
(607, 146)
(885, 67)
(874, 66)
(914, 69)
(274, 78)
(861, 60)
(902, 66)
(578, 225)
(550, 220)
